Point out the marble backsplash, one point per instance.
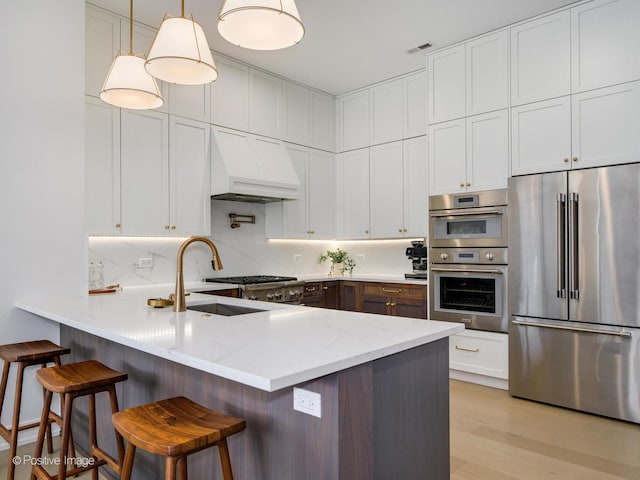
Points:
(244, 251)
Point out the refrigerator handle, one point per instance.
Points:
(574, 287)
(561, 291)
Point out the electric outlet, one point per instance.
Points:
(361, 257)
(307, 402)
(145, 262)
(297, 257)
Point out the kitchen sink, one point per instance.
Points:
(224, 309)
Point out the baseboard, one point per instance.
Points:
(493, 382)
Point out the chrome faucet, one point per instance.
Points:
(179, 301)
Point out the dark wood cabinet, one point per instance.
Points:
(400, 299)
(227, 292)
(322, 294)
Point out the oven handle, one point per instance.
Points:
(617, 333)
(467, 214)
(470, 270)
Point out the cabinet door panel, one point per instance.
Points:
(191, 101)
(352, 177)
(296, 113)
(605, 127)
(386, 190)
(541, 136)
(265, 98)
(386, 112)
(415, 105)
(541, 59)
(322, 121)
(487, 73)
(230, 95)
(488, 150)
(410, 308)
(605, 42)
(375, 305)
(189, 194)
(446, 84)
(447, 157)
(102, 32)
(295, 212)
(102, 164)
(354, 121)
(321, 194)
(145, 173)
(416, 193)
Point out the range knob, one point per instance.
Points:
(294, 293)
(489, 256)
(270, 297)
(444, 256)
(252, 297)
(278, 295)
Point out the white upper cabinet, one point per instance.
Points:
(487, 151)
(541, 58)
(352, 184)
(447, 157)
(189, 177)
(102, 167)
(386, 190)
(230, 95)
(191, 101)
(296, 110)
(386, 102)
(415, 105)
(102, 33)
(295, 212)
(265, 98)
(446, 84)
(416, 194)
(145, 172)
(606, 43)
(353, 121)
(541, 136)
(605, 126)
(487, 73)
(322, 118)
(321, 194)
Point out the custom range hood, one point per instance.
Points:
(249, 168)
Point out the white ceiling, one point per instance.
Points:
(352, 43)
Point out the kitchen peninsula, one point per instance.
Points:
(383, 381)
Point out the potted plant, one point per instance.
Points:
(340, 262)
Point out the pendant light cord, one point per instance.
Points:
(182, 8)
(131, 27)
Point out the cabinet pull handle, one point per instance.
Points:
(468, 184)
(575, 159)
(325, 288)
(473, 350)
(118, 225)
(399, 230)
(310, 289)
(565, 160)
(173, 227)
(391, 290)
(461, 184)
(366, 231)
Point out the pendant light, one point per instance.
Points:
(260, 24)
(180, 52)
(128, 85)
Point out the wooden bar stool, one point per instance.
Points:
(72, 381)
(25, 354)
(175, 428)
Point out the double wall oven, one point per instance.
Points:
(468, 259)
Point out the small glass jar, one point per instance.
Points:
(96, 276)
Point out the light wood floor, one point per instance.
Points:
(498, 437)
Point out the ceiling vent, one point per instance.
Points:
(419, 48)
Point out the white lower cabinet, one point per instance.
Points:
(589, 129)
(480, 353)
(352, 189)
(469, 154)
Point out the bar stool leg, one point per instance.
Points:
(15, 424)
(127, 464)
(170, 468)
(182, 468)
(66, 430)
(225, 461)
(41, 431)
(113, 397)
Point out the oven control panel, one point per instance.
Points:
(471, 256)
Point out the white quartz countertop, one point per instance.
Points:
(283, 345)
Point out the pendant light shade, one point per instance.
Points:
(260, 24)
(128, 85)
(180, 53)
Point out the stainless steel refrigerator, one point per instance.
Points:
(574, 289)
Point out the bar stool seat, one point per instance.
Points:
(25, 354)
(174, 428)
(72, 381)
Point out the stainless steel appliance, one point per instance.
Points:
(417, 253)
(266, 288)
(469, 220)
(574, 294)
(468, 259)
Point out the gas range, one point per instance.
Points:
(267, 288)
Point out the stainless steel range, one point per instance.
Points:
(266, 288)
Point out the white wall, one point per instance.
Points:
(244, 251)
(42, 169)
